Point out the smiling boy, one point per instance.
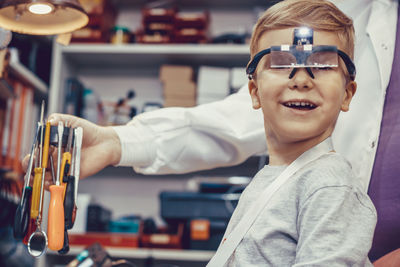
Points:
(305, 208)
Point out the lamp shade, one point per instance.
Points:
(64, 16)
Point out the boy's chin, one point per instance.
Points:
(302, 135)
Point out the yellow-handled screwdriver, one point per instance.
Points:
(55, 223)
(37, 179)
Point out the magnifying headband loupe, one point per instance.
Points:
(302, 54)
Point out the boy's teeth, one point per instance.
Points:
(300, 104)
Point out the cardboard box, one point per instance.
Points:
(173, 73)
(186, 89)
(179, 102)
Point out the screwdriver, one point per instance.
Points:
(66, 161)
(36, 182)
(38, 172)
(77, 163)
(22, 214)
(69, 182)
(56, 209)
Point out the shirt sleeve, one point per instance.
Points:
(179, 140)
(336, 226)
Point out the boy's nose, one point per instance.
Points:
(301, 79)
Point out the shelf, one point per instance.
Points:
(203, 3)
(23, 73)
(248, 168)
(145, 253)
(149, 56)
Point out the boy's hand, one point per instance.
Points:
(100, 146)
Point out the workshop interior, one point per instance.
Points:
(108, 61)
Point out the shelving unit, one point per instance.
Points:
(23, 73)
(134, 60)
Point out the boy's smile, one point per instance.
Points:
(299, 112)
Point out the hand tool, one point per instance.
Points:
(22, 214)
(69, 184)
(56, 209)
(66, 162)
(37, 171)
(52, 169)
(37, 244)
(77, 163)
(36, 181)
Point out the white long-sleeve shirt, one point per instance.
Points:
(178, 140)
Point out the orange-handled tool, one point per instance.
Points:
(55, 230)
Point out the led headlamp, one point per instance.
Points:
(302, 54)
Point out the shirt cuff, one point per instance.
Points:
(137, 149)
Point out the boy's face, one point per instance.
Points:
(300, 108)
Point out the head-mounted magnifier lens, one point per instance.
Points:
(302, 55)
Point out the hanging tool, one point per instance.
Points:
(37, 244)
(52, 169)
(22, 214)
(38, 171)
(66, 161)
(36, 181)
(77, 163)
(69, 191)
(56, 209)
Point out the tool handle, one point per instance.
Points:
(55, 222)
(65, 248)
(21, 218)
(74, 215)
(69, 202)
(37, 182)
(31, 229)
(46, 145)
(65, 164)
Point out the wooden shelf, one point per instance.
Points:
(144, 253)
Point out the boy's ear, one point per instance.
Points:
(253, 90)
(351, 89)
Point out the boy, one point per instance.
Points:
(305, 208)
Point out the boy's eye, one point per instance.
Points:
(280, 68)
(322, 68)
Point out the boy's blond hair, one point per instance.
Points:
(320, 15)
